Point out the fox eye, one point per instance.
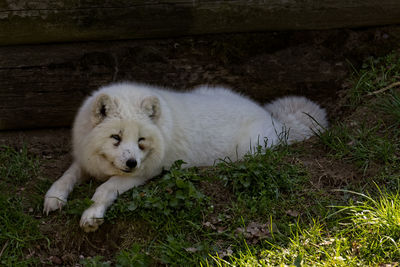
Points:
(141, 145)
(117, 138)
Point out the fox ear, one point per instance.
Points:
(151, 106)
(102, 107)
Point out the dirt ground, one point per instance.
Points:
(314, 64)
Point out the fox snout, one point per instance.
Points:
(131, 163)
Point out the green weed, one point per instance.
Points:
(262, 178)
(18, 232)
(177, 209)
(174, 207)
(391, 105)
(375, 74)
(361, 144)
(375, 227)
(133, 257)
(174, 193)
(78, 206)
(17, 167)
(96, 261)
(367, 233)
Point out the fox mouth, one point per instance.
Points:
(128, 170)
(116, 167)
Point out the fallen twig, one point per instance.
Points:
(384, 88)
(92, 245)
(4, 248)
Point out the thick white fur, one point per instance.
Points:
(199, 127)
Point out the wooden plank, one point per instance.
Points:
(42, 86)
(45, 21)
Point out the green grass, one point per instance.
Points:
(17, 167)
(185, 219)
(362, 145)
(262, 178)
(173, 207)
(367, 234)
(18, 230)
(374, 227)
(174, 194)
(390, 105)
(375, 74)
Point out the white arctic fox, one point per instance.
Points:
(125, 133)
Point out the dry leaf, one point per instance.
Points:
(293, 213)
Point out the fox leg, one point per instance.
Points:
(56, 196)
(104, 196)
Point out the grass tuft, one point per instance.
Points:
(366, 234)
(374, 226)
(391, 105)
(361, 145)
(173, 206)
(262, 178)
(133, 257)
(17, 167)
(173, 194)
(375, 74)
(18, 232)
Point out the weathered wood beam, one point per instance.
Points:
(42, 86)
(45, 21)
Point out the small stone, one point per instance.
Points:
(55, 260)
(191, 249)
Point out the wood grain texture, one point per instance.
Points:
(42, 86)
(28, 21)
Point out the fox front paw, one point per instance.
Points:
(53, 203)
(91, 219)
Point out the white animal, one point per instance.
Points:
(125, 133)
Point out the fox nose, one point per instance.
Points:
(131, 163)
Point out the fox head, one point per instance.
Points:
(123, 135)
